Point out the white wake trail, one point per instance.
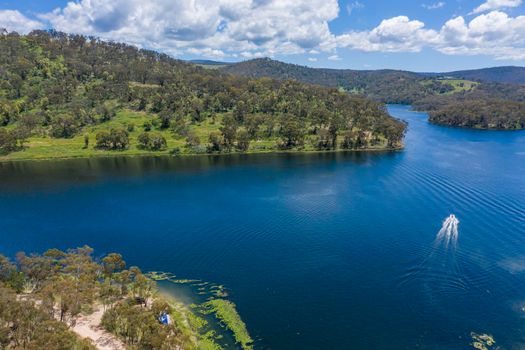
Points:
(448, 235)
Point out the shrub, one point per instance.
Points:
(147, 125)
(152, 142)
(192, 140)
(8, 142)
(115, 139)
(143, 140)
(63, 126)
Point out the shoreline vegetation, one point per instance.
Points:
(69, 300)
(66, 96)
(38, 155)
(167, 154)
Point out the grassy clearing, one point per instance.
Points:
(226, 313)
(460, 85)
(39, 147)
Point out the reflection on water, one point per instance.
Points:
(319, 251)
(34, 175)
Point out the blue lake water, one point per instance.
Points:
(318, 251)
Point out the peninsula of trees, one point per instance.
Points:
(42, 297)
(74, 96)
(484, 99)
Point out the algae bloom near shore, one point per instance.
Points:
(211, 302)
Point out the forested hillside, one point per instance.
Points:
(69, 95)
(507, 75)
(453, 99)
(388, 86)
(488, 106)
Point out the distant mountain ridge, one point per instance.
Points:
(391, 86)
(331, 77)
(210, 62)
(505, 74)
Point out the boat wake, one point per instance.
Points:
(448, 235)
(437, 280)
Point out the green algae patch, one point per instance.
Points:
(483, 341)
(209, 315)
(160, 276)
(219, 291)
(166, 276)
(226, 312)
(195, 328)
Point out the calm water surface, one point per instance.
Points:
(319, 251)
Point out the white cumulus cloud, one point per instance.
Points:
(248, 26)
(490, 5)
(258, 28)
(397, 34)
(14, 21)
(494, 34)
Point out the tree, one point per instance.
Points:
(106, 112)
(349, 140)
(215, 140)
(143, 140)
(116, 139)
(240, 111)
(229, 131)
(164, 119)
(103, 140)
(29, 122)
(196, 109)
(141, 286)
(252, 123)
(292, 131)
(63, 126)
(243, 140)
(10, 276)
(86, 141)
(119, 139)
(113, 263)
(152, 141)
(157, 142)
(179, 126)
(324, 140)
(8, 142)
(25, 326)
(192, 140)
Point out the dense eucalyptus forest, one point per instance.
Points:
(488, 106)
(484, 102)
(70, 95)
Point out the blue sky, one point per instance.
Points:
(358, 34)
